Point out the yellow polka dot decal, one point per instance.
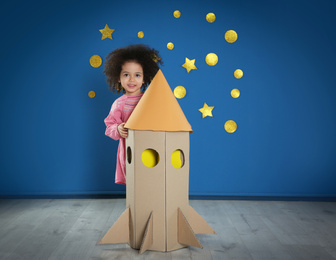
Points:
(231, 36)
(210, 17)
(238, 73)
(230, 126)
(141, 34)
(150, 157)
(211, 59)
(177, 14)
(170, 45)
(180, 92)
(92, 94)
(235, 93)
(96, 61)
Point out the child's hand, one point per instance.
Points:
(122, 130)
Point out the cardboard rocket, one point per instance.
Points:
(158, 215)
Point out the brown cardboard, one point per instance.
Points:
(157, 197)
(198, 224)
(186, 235)
(147, 188)
(177, 185)
(147, 241)
(119, 232)
(130, 185)
(161, 189)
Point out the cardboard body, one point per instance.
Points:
(159, 190)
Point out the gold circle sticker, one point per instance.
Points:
(92, 94)
(170, 45)
(230, 126)
(140, 34)
(210, 17)
(238, 73)
(180, 92)
(211, 59)
(96, 61)
(235, 93)
(177, 14)
(231, 36)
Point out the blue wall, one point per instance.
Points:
(52, 133)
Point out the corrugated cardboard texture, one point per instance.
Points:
(177, 185)
(147, 241)
(158, 109)
(198, 224)
(130, 184)
(155, 195)
(119, 232)
(161, 189)
(146, 188)
(186, 235)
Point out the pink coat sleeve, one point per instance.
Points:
(112, 121)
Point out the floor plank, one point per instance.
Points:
(70, 229)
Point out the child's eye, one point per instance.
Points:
(125, 75)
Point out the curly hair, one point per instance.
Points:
(147, 57)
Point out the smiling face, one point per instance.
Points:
(131, 78)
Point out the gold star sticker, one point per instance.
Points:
(189, 65)
(206, 110)
(106, 32)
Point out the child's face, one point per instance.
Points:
(131, 78)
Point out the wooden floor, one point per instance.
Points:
(70, 229)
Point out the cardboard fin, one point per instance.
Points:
(198, 224)
(119, 232)
(147, 240)
(186, 235)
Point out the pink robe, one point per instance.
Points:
(120, 111)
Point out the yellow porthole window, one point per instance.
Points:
(150, 158)
(177, 159)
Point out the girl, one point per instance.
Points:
(129, 70)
